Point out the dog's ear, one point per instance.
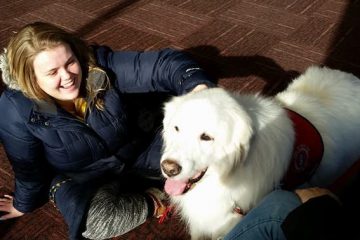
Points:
(237, 140)
(242, 133)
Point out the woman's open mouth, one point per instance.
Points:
(68, 84)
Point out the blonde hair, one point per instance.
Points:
(35, 38)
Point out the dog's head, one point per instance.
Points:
(203, 131)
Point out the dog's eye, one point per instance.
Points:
(176, 128)
(205, 137)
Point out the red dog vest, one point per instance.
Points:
(307, 153)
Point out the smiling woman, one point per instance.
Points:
(67, 133)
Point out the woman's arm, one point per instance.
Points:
(167, 70)
(24, 152)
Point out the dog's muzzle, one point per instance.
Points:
(176, 187)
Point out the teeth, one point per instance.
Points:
(68, 84)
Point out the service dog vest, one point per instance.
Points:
(307, 152)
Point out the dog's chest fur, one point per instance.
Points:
(212, 204)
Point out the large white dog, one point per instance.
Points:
(224, 151)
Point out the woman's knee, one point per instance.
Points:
(280, 203)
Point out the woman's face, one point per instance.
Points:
(58, 72)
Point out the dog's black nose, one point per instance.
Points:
(170, 167)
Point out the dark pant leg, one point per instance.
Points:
(72, 200)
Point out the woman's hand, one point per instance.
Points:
(7, 205)
(308, 193)
(199, 88)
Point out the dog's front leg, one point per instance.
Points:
(198, 235)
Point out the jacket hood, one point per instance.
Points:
(5, 73)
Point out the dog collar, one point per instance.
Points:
(238, 210)
(307, 152)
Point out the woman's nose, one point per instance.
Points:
(65, 74)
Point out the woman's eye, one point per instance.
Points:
(206, 137)
(176, 128)
(52, 73)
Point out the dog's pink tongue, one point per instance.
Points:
(174, 187)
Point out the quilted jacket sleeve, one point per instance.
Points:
(22, 149)
(167, 71)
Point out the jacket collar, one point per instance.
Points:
(45, 107)
(28, 108)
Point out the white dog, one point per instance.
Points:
(224, 151)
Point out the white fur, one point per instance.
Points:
(253, 141)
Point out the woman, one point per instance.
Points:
(67, 132)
